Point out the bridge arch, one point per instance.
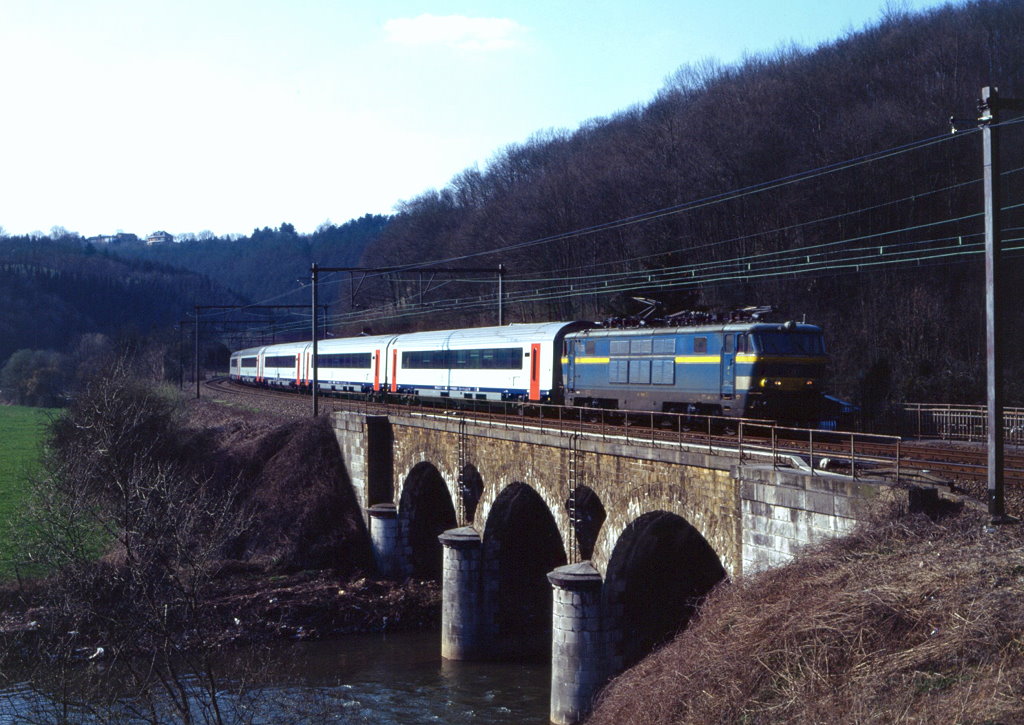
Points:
(586, 515)
(425, 510)
(521, 544)
(471, 490)
(659, 571)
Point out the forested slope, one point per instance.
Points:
(54, 291)
(269, 262)
(824, 181)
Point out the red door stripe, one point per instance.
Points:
(535, 371)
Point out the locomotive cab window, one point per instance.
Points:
(729, 342)
(742, 343)
(790, 343)
(700, 344)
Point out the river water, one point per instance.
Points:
(392, 678)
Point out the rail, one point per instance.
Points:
(958, 422)
(813, 450)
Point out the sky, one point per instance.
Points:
(230, 115)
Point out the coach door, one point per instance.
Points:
(393, 372)
(728, 364)
(376, 371)
(535, 371)
(570, 351)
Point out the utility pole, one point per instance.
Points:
(501, 294)
(989, 107)
(313, 362)
(236, 307)
(181, 355)
(197, 353)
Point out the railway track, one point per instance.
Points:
(962, 467)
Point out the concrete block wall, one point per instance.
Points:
(350, 430)
(784, 510)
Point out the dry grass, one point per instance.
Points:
(906, 621)
(292, 478)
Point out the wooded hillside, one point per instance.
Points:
(269, 262)
(59, 289)
(824, 181)
(54, 291)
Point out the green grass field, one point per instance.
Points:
(21, 435)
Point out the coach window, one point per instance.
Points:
(700, 344)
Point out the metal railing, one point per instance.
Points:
(812, 450)
(958, 422)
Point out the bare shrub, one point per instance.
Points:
(121, 480)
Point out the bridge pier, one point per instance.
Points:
(579, 662)
(461, 600)
(667, 520)
(385, 539)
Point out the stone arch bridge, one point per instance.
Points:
(589, 548)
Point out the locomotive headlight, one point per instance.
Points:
(809, 383)
(764, 382)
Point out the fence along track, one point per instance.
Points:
(958, 422)
(859, 454)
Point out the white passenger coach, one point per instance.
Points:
(512, 362)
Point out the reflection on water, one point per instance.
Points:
(396, 678)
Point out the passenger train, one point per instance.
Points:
(749, 369)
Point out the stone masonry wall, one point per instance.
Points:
(350, 430)
(784, 510)
(753, 516)
(629, 479)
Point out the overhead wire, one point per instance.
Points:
(589, 284)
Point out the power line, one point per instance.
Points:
(713, 270)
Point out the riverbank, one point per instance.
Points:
(224, 527)
(256, 607)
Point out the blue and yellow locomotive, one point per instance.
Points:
(738, 369)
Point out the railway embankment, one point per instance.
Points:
(908, 620)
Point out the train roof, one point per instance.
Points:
(515, 333)
(708, 328)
